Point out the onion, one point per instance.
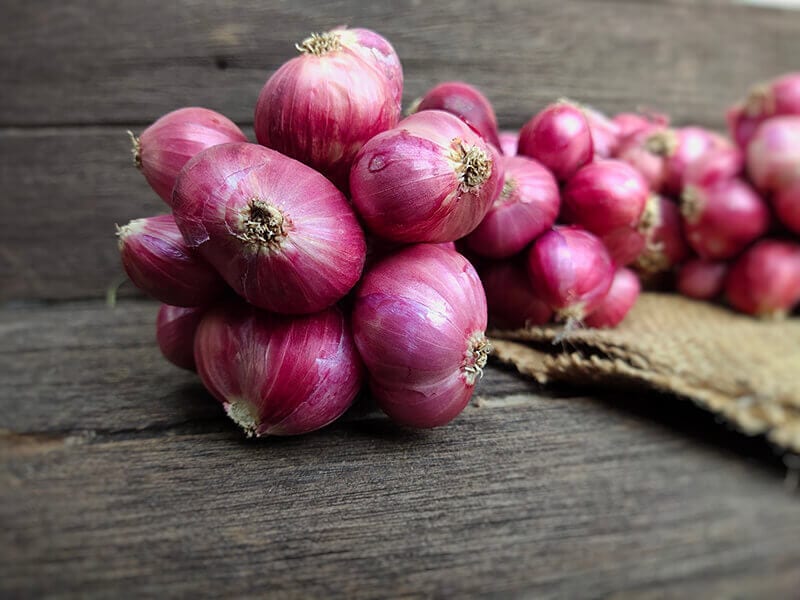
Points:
(720, 163)
(692, 145)
(158, 262)
(467, 103)
(619, 300)
(787, 205)
(741, 126)
(509, 140)
(419, 322)
(559, 137)
(281, 235)
(781, 96)
(702, 279)
(608, 198)
(431, 179)
(647, 150)
(571, 271)
(632, 123)
(278, 375)
(773, 156)
(606, 134)
(527, 206)
(175, 329)
(168, 144)
(722, 219)
(511, 300)
(323, 105)
(665, 245)
(765, 280)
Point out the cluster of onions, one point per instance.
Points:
(331, 255)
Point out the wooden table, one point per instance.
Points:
(120, 476)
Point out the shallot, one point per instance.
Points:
(509, 140)
(787, 205)
(702, 279)
(175, 330)
(606, 134)
(692, 144)
(619, 300)
(665, 246)
(510, 297)
(765, 280)
(648, 150)
(773, 155)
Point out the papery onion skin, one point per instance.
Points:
(787, 205)
(467, 103)
(281, 234)
(716, 165)
(527, 206)
(509, 140)
(374, 49)
(419, 322)
(162, 149)
(511, 299)
(773, 155)
(608, 198)
(571, 271)
(693, 143)
(722, 219)
(606, 134)
(619, 300)
(431, 179)
(702, 279)
(278, 375)
(648, 150)
(765, 280)
(175, 330)
(158, 261)
(665, 245)
(741, 126)
(322, 106)
(781, 96)
(632, 123)
(559, 137)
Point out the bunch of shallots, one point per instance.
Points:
(296, 270)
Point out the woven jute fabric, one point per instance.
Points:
(745, 370)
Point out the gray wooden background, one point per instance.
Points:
(119, 475)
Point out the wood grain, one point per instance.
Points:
(119, 476)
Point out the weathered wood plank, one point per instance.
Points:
(110, 62)
(118, 476)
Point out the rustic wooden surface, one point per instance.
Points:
(120, 476)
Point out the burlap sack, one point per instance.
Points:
(745, 370)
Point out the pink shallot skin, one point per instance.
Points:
(527, 206)
(560, 138)
(692, 145)
(702, 279)
(161, 264)
(467, 103)
(375, 50)
(780, 96)
(787, 206)
(606, 134)
(419, 322)
(631, 123)
(722, 219)
(716, 165)
(321, 107)
(773, 155)
(509, 140)
(765, 280)
(408, 183)
(278, 375)
(511, 299)
(313, 250)
(665, 245)
(166, 146)
(175, 330)
(621, 297)
(647, 150)
(571, 271)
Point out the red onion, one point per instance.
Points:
(742, 126)
(509, 140)
(692, 144)
(527, 206)
(722, 219)
(647, 150)
(608, 198)
(632, 123)
(665, 245)
(720, 163)
(419, 322)
(571, 271)
(780, 96)
(702, 279)
(282, 236)
(511, 299)
(168, 144)
(787, 205)
(431, 179)
(559, 137)
(765, 280)
(159, 263)
(175, 329)
(773, 156)
(323, 105)
(606, 134)
(467, 103)
(278, 375)
(621, 297)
